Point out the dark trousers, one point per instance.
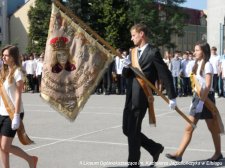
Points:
(39, 82)
(186, 86)
(107, 79)
(132, 121)
(215, 83)
(121, 84)
(30, 78)
(220, 85)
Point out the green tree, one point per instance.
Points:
(39, 17)
(107, 17)
(163, 17)
(111, 21)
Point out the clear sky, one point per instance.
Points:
(195, 4)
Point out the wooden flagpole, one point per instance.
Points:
(137, 72)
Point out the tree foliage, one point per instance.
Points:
(112, 19)
(107, 17)
(39, 17)
(163, 17)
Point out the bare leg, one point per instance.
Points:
(7, 147)
(21, 153)
(5, 159)
(4, 152)
(216, 138)
(186, 138)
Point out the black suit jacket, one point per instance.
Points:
(154, 68)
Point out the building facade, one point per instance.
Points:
(7, 8)
(20, 20)
(216, 21)
(195, 30)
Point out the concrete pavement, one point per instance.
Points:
(95, 138)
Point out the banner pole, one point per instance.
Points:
(136, 71)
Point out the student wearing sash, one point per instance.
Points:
(203, 92)
(139, 97)
(12, 83)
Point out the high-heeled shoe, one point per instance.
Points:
(217, 159)
(176, 158)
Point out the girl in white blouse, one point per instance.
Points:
(204, 74)
(12, 77)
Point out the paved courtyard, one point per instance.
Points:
(95, 138)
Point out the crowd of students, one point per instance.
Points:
(179, 63)
(32, 66)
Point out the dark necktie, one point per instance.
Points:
(139, 54)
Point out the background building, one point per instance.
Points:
(195, 30)
(215, 28)
(7, 8)
(19, 26)
(14, 26)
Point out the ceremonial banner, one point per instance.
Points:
(75, 60)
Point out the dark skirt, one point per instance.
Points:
(205, 114)
(5, 126)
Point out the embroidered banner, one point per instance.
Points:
(75, 60)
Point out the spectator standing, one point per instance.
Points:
(190, 66)
(214, 60)
(222, 73)
(185, 76)
(39, 71)
(30, 71)
(221, 81)
(118, 70)
(176, 72)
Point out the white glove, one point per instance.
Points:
(15, 121)
(199, 106)
(172, 104)
(126, 62)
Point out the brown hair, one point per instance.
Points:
(206, 56)
(14, 53)
(140, 27)
(214, 48)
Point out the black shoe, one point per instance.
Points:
(216, 160)
(176, 158)
(156, 156)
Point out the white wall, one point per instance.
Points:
(215, 16)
